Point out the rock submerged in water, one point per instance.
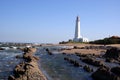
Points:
(92, 61)
(87, 68)
(1, 48)
(49, 52)
(74, 62)
(28, 69)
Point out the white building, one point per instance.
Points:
(78, 37)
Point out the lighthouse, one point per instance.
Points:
(78, 37)
(77, 28)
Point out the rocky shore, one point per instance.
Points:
(103, 71)
(28, 69)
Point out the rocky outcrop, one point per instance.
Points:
(1, 48)
(116, 70)
(28, 69)
(72, 61)
(113, 53)
(49, 52)
(87, 68)
(92, 61)
(104, 73)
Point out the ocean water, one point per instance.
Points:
(8, 62)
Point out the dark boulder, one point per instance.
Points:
(77, 64)
(104, 74)
(76, 47)
(87, 68)
(112, 53)
(11, 77)
(111, 60)
(116, 70)
(2, 49)
(64, 53)
(18, 56)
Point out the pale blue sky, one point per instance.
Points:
(54, 20)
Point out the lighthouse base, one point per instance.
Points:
(80, 39)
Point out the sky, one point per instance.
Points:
(52, 21)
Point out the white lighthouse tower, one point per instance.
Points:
(78, 37)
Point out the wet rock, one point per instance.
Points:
(19, 69)
(2, 49)
(18, 56)
(104, 74)
(50, 53)
(76, 47)
(66, 58)
(111, 60)
(11, 77)
(28, 69)
(29, 50)
(64, 53)
(87, 68)
(113, 53)
(78, 54)
(116, 70)
(91, 61)
(71, 61)
(74, 62)
(47, 49)
(77, 64)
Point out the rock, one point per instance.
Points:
(19, 69)
(113, 53)
(76, 47)
(2, 49)
(28, 69)
(29, 50)
(87, 68)
(74, 62)
(18, 56)
(36, 58)
(47, 49)
(116, 70)
(104, 74)
(64, 53)
(50, 53)
(91, 61)
(11, 77)
(65, 58)
(111, 60)
(77, 64)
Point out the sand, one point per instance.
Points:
(86, 51)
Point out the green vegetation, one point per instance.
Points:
(71, 41)
(110, 40)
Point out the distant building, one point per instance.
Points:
(78, 37)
